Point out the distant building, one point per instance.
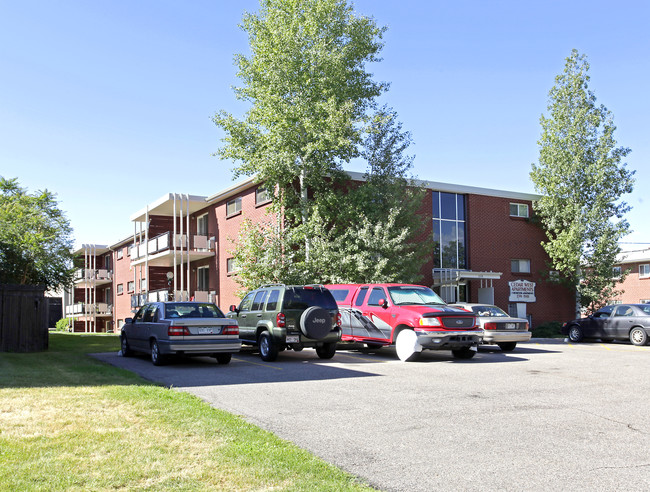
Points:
(484, 248)
(636, 285)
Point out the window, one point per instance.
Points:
(272, 302)
(130, 286)
(231, 265)
(262, 195)
(448, 230)
(120, 253)
(120, 289)
(143, 284)
(644, 271)
(203, 278)
(376, 295)
(361, 296)
(644, 301)
(233, 207)
(246, 302)
(258, 302)
(518, 210)
(520, 266)
(616, 271)
(202, 225)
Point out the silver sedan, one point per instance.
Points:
(498, 327)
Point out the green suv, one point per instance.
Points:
(277, 317)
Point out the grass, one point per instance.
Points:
(70, 422)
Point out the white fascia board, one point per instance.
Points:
(461, 189)
(98, 249)
(636, 256)
(232, 190)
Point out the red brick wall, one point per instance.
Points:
(494, 238)
(635, 288)
(122, 274)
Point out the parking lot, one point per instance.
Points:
(548, 416)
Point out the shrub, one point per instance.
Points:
(64, 324)
(552, 329)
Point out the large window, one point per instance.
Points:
(203, 278)
(262, 195)
(202, 225)
(449, 230)
(644, 271)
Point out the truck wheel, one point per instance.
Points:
(268, 349)
(315, 322)
(463, 353)
(327, 350)
(407, 346)
(507, 346)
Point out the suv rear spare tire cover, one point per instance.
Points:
(316, 322)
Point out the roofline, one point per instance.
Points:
(232, 190)
(163, 199)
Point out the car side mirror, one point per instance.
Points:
(383, 303)
(128, 320)
(233, 309)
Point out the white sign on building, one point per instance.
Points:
(522, 291)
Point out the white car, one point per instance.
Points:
(498, 327)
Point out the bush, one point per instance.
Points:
(552, 329)
(64, 324)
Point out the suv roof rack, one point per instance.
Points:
(270, 285)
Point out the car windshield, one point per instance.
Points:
(489, 311)
(304, 297)
(192, 310)
(409, 294)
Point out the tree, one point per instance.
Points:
(35, 238)
(581, 180)
(309, 92)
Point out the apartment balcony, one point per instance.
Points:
(159, 251)
(85, 277)
(162, 295)
(80, 310)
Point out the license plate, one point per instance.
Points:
(209, 331)
(511, 326)
(293, 339)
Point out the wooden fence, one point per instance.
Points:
(23, 318)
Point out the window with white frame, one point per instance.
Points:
(644, 270)
(120, 289)
(231, 265)
(130, 286)
(203, 278)
(233, 207)
(519, 210)
(262, 195)
(520, 266)
(202, 225)
(143, 284)
(120, 253)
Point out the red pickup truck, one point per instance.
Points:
(413, 317)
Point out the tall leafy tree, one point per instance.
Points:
(309, 94)
(581, 179)
(35, 238)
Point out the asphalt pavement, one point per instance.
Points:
(548, 416)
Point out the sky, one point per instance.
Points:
(109, 103)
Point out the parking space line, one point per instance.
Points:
(259, 364)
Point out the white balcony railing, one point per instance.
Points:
(163, 242)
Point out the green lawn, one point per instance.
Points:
(70, 422)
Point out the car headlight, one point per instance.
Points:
(430, 322)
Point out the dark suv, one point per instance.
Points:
(277, 317)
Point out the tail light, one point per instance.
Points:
(490, 326)
(338, 319)
(281, 320)
(527, 327)
(177, 331)
(230, 330)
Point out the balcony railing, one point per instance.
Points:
(163, 242)
(88, 274)
(82, 309)
(162, 295)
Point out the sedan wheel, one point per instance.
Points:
(124, 345)
(157, 358)
(223, 358)
(507, 346)
(407, 346)
(575, 334)
(638, 336)
(464, 353)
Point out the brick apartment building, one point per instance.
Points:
(484, 248)
(636, 285)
